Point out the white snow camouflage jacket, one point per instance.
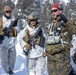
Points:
(34, 52)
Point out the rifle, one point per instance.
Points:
(58, 31)
(6, 30)
(31, 40)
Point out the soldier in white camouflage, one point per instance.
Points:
(7, 42)
(35, 53)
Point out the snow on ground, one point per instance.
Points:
(20, 65)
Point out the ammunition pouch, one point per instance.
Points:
(13, 32)
(26, 37)
(37, 41)
(1, 26)
(1, 31)
(52, 38)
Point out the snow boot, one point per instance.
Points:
(11, 72)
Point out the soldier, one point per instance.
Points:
(57, 51)
(35, 54)
(7, 42)
(73, 56)
(73, 61)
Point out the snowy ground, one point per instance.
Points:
(20, 65)
(21, 61)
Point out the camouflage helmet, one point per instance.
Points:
(32, 17)
(7, 8)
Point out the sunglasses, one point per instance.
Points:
(54, 10)
(8, 11)
(33, 20)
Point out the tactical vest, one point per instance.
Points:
(13, 32)
(1, 26)
(27, 36)
(52, 38)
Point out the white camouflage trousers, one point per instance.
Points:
(36, 66)
(8, 57)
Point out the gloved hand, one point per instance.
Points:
(28, 46)
(5, 30)
(1, 38)
(44, 54)
(62, 17)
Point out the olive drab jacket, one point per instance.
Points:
(58, 57)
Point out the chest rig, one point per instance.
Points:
(27, 36)
(53, 36)
(1, 26)
(12, 33)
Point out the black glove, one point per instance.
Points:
(1, 38)
(62, 17)
(5, 30)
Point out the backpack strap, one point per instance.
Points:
(1, 22)
(1, 26)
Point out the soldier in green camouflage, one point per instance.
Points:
(57, 50)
